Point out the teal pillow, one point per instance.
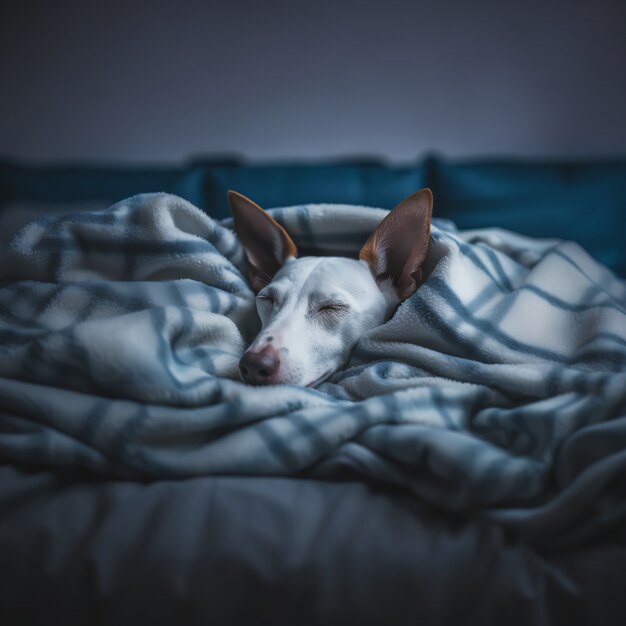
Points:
(585, 202)
(59, 184)
(276, 185)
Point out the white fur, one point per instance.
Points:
(313, 343)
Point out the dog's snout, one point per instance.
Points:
(260, 368)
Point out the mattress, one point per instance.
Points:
(237, 550)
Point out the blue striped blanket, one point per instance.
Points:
(499, 387)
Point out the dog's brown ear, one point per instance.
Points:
(398, 246)
(266, 243)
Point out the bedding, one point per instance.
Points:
(233, 550)
(498, 390)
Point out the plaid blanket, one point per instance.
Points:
(499, 387)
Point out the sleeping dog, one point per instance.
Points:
(314, 309)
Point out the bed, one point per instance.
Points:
(473, 471)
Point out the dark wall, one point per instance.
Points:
(280, 79)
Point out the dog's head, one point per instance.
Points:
(314, 309)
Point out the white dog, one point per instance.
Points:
(314, 309)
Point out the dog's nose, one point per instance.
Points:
(259, 368)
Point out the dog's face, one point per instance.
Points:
(313, 312)
(314, 309)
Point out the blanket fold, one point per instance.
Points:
(499, 387)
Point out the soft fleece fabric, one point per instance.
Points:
(499, 387)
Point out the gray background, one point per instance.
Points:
(161, 81)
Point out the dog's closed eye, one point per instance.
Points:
(266, 298)
(333, 308)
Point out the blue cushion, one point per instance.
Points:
(275, 185)
(585, 202)
(88, 183)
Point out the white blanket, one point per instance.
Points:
(499, 386)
